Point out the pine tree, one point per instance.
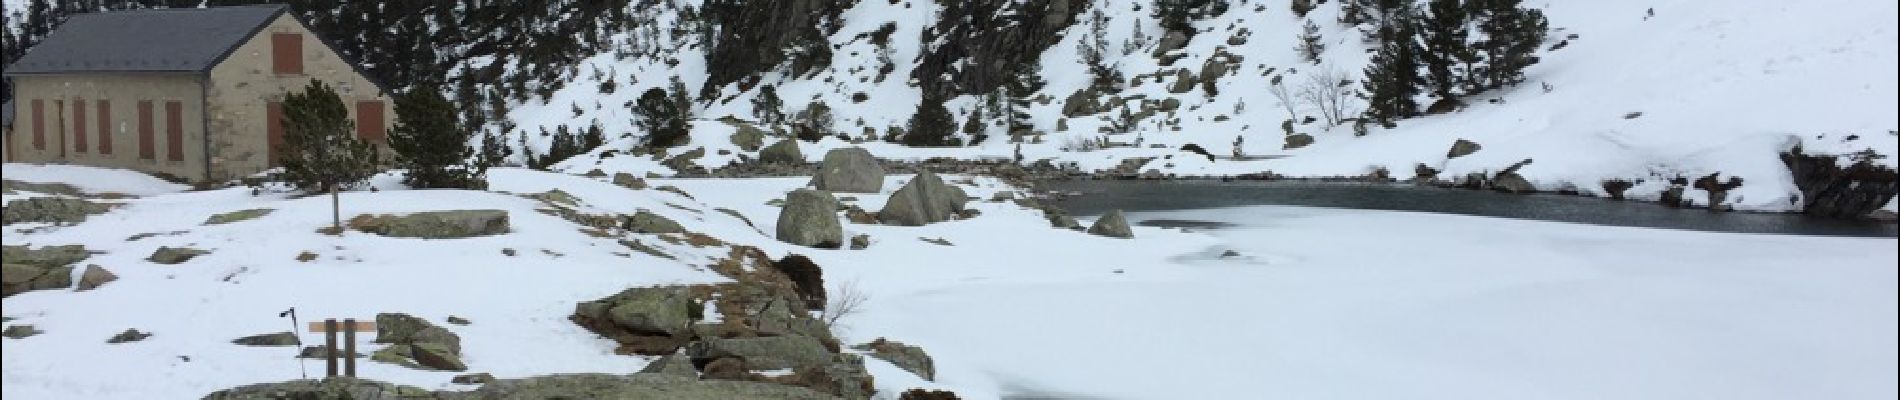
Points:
(1310, 43)
(1512, 36)
(932, 125)
(1444, 33)
(814, 123)
(319, 153)
(766, 107)
(432, 144)
(659, 115)
(1392, 78)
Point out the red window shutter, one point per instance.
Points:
(39, 124)
(287, 53)
(148, 146)
(105, 126)
(174, 131)
(369, 120)
(273, 130)
(79, 125)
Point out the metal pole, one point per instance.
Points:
(329, 340)
(349, 347)
(297, 330)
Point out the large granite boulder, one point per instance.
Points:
(650, 320)
(417, 343)
(629, 181)
(783, 152)
(810, 218)
(59, 210)
(1112, 225)
(336, 388)
(923, 200)
(747, 137)
(849, 170)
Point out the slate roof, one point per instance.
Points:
(162, 40)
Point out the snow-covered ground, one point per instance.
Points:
(1320, 303)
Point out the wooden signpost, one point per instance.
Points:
(349, 328)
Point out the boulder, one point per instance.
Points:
(642, 311)
(1463, 148)
(235, 216)
(1297, 140)
(921, 394)
(457, 320)
(648, 222)
(436, 356)
(1511, 182)
(130, 335)
(556, 196)
(401, 328)
(810, 218)
(443, 224)
(59, 210)
(45, 256)
(394, 354)
(629, 181)
(783, 152)
(673, 364)
(923, 200)
(174, 255)
(747, 137)
(321, 351)
(910, 358)
(1112, 225)
(860, 242)
(24, 277)
(94, 276)
(1183, 81)
(473, 379)
(20, 332)
(849, 170)
(764, 353)
(269, 340)
(1002, 196)
(1837, 188)
(1061, 220)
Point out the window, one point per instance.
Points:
(286, 53)
(273, 130)
(147, 146)
(174, 131)
(104, 111)
(39, 124)
(369, 120)
(79, 126)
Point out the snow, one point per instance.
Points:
(93, 180)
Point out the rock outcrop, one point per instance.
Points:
(849, 170)
(269, 340)
(650, 321)
(1463, 148)
(1830, 189)
(94, 277)
(58, 210)
(644, 221)
(924, 200)
(48, 267)
(174, 255)
(910, 358)
(810, 218)
(235, 216)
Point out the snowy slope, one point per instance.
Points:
(1722, 87)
